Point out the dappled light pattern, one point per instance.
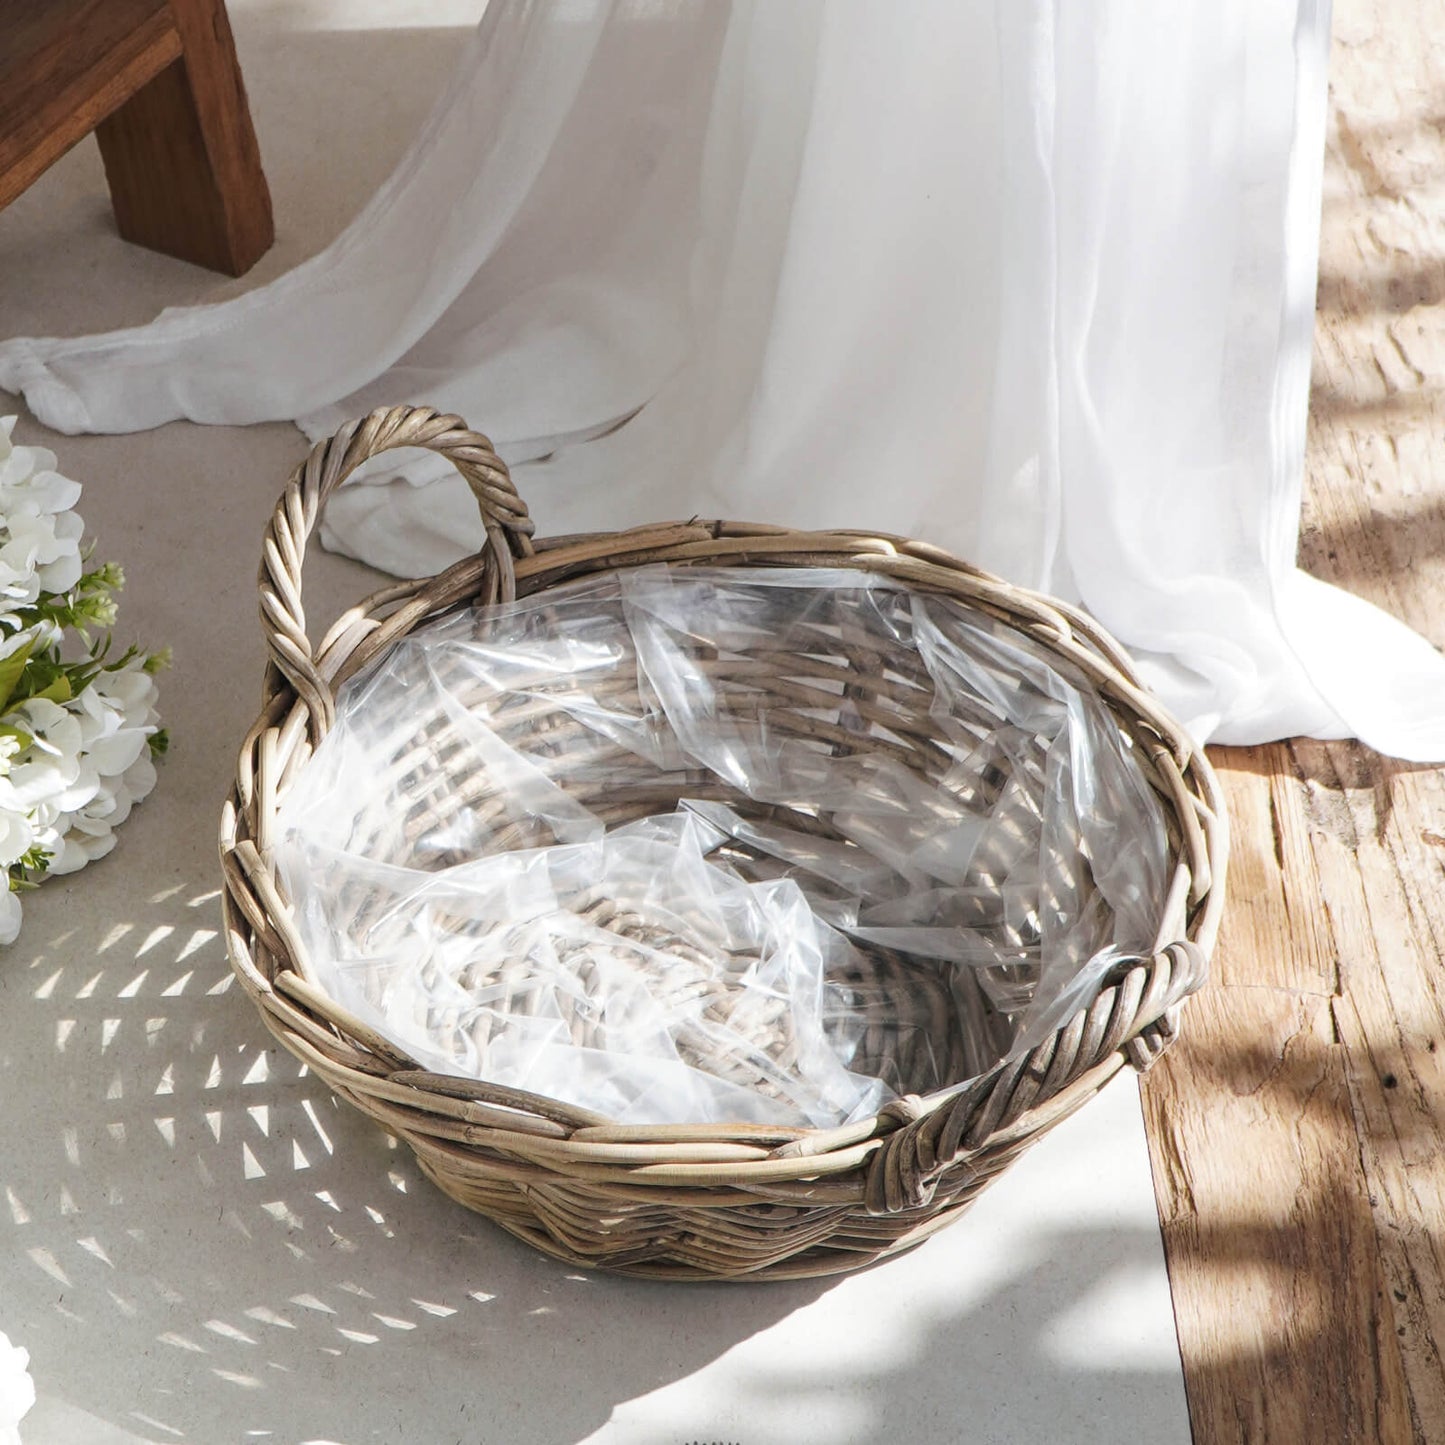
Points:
(183, 1202)
(194, 1218)
(161, 1105)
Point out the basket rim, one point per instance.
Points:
(917, 1152)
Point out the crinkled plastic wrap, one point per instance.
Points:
(717, 845)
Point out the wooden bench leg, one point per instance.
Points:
(181, 155)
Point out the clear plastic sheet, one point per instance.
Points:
(715, 845)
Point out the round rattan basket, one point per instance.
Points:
(687, 1201)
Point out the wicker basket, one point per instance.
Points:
(683, 1201)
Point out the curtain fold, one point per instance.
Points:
(1031, 279)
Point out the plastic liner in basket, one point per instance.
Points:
(714, 845)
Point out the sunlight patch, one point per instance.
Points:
(114, 936)
(155, 1424)
(49, 1263)
(325, 1138)
(282, 1213)
(91, 1245)
(157, 935)
(249, 1382)
(198, 939)
(180, 1342)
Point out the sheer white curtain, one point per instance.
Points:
(1028, 278)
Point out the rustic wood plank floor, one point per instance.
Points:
(1298, 1130)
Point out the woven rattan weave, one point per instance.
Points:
(692, 1201)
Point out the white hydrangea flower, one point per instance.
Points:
(117, 717)
(17, 832)
(17, 1390)
(28, 479)
(71, 767)
(40, 553)
(40, 539)
(11, 917)
(79, 847)
(48, 771)
(133, 690)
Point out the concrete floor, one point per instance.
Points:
(197, 1243)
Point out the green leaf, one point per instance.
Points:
(12, 668)
(58, 691)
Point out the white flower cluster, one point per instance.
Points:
(77, 733)
(41, 547)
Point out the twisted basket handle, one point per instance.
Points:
(504, 514)
(1135, 1019)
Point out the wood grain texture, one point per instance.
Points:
(64, 66)
(181, 155)
(1298, 1130)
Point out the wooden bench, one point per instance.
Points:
(158, 83)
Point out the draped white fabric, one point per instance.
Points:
(1030, 279)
